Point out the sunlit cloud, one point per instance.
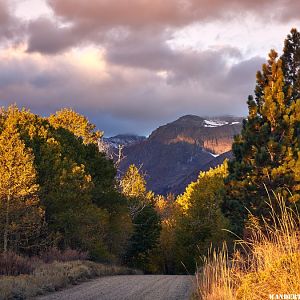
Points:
(31, 9)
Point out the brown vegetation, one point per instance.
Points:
(51, 277)
(271, 266)
(12, 264)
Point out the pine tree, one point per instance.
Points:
(22, 214)
(291, 63)
(266, 151)
(144, 239)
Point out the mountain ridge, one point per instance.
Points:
(215, 135)
(174, 154)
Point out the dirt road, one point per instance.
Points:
(133, 287)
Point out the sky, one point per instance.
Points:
(133, 65)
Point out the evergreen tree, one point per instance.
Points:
(144, 239)
(291, 63)
(266, 151)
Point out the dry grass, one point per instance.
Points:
(13, 264)
(271, 266)
(52, 277)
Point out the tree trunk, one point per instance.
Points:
(5, 237)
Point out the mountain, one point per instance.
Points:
(165, 164)
(193, 175)
(124, 140)
(214, 135)
(174, 154)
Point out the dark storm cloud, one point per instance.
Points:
(47, 37)
(241, 74)
(10, 26)
(152, 52)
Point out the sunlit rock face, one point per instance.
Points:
(174, 154)
(214, 135)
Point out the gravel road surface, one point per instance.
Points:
(133, 287)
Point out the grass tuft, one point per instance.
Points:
(270, 266)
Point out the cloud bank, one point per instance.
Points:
(122, 64)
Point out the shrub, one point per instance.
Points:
(12, 264)
(54, 254)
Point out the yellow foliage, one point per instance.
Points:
(77, 124)
(133, 184)
(22, 218)
(206, 186)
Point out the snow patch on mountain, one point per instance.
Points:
(217, 123)
(214, 123)
(212, 154)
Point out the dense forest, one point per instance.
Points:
(58, 190)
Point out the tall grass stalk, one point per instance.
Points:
(268, 264)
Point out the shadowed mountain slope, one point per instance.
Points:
(174, 154)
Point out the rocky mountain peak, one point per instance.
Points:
(214, 135)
